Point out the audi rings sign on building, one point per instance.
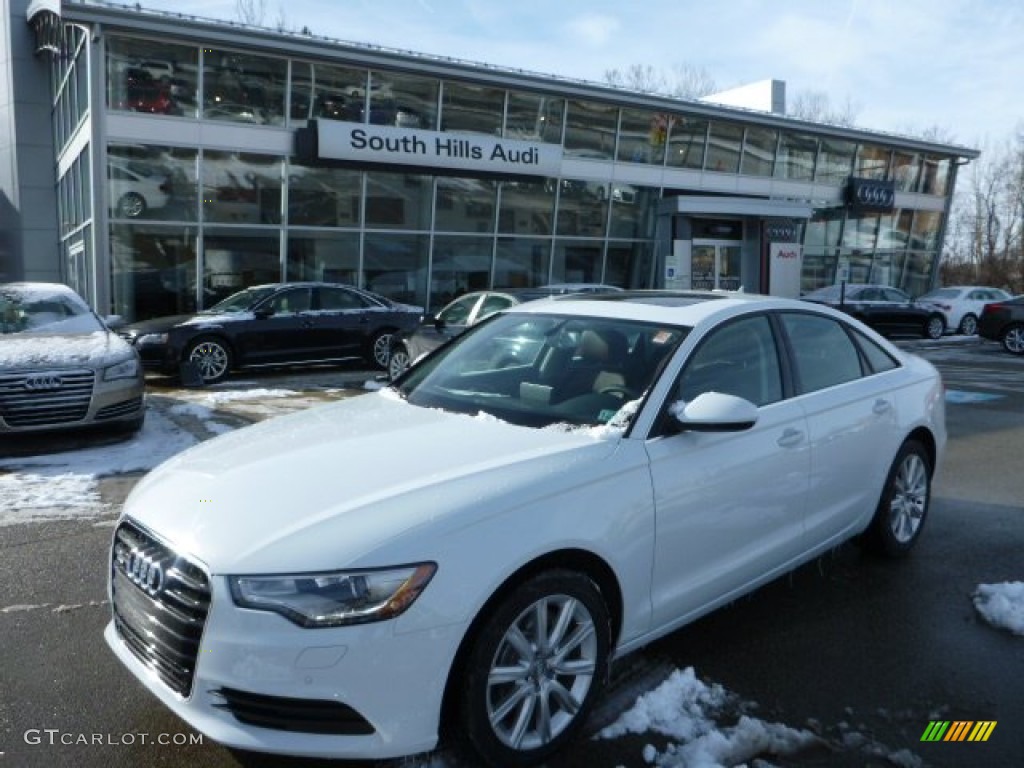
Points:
(146, 572)
(870, 194)
(43, 383)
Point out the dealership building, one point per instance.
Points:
(158, 162)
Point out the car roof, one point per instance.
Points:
(687, 308)
(303, 284)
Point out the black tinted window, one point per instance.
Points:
(339, 298)
(824, 353)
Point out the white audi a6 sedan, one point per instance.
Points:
(466, 551)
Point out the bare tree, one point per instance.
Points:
(684, 81)
(985, 238)
(816, 106)
(281, 23)
(691, 82)
(637, 77)
(251, 11)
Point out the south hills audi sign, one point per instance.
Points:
(328, 140)
(870, 194)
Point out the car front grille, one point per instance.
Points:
(297, 715)
(45, 398)
(160, 603)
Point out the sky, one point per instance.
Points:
(904, 67)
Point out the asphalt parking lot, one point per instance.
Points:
(860, 652)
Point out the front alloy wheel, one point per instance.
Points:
(535, 669)
(380, 349)
(1013, 339)
(904, 504)
(212, 358)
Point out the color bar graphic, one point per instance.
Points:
(958, 730)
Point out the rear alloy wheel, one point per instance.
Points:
(1013, 339)
(380, 349)
(935, 327)
(904, 504)
(398, 362)
(535, 668)
(212, 357)
(969, 325)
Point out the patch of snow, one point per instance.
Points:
(216, 398)
(684, 709)
(65, 485)
(1002, 605)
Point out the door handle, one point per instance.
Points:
(790, 438)
(881, 406)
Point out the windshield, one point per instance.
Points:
(241, 301)
(41, 311)
(539, 370)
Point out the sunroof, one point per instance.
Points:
(659, 298)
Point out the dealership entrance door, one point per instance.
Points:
(715, 264)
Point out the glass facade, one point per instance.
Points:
(187, 223)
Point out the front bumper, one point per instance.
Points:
(79, 404)
(385, 686)
(162, 358)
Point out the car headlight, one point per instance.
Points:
(151, 338)
(335, 598)
(127, 369)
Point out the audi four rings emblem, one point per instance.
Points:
(43, 383)
(146, 572)
(870, 194)
(875, 195)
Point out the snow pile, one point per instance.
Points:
(65, 485)
(213, 399)
(684, 709)
(1002, 605)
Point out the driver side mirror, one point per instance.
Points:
(714, 412)
(439, 323)
(262, 313)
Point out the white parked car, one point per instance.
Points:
(478, 541)
(136, 187)
(962, 304)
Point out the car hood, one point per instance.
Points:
(54, 350)
(164, 324)
(329, 487)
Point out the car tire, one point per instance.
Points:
(212, 356)
(903, 507)
(379, 350)
(132, 205)
(968, 325)
(934, 327)
(1012, 339)
(398, 362)
(535, 667)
